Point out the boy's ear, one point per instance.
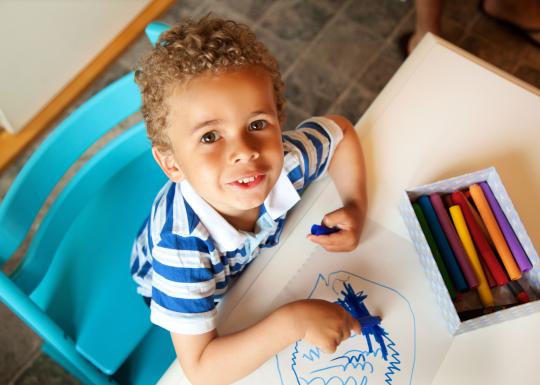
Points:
(165, 160)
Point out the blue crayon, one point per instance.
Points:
(369, 321)
(442, 243)
(323, 230)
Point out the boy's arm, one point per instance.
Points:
(348, 171)
(211, 359)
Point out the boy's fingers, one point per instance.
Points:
(356, 327)
(342, 240)
(336, 218)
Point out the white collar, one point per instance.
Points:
(281, 199)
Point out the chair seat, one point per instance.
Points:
(88, 289)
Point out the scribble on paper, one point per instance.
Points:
(371, 358)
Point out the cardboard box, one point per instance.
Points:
(531, 279)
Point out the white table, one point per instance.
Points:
(413, 134)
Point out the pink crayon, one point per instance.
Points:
(455, 243)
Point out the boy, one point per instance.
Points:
(213, 106)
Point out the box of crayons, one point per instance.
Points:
(474, 249)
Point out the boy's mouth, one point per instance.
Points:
(248, 182)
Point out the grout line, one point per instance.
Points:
(32, 358)
(356, 80)
(258, 23)
(315, 40)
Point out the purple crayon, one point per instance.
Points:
(513, 243)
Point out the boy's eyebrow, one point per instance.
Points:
(206, 123)
(260, 112)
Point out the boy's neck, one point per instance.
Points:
(246, 221)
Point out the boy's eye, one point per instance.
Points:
(210, 137)
(258, 125)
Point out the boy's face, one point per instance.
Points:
(226, 139)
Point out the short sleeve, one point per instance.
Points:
(183, 287)
(309, 150)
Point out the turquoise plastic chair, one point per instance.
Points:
(74, 287)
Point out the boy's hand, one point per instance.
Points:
(324, 324)
(349, 220)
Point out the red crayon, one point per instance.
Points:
(480, 241)
(518, 291)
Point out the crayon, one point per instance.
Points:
(442, 243)
(447, 199)
(434, 250)
(489, 277)
(486, 297)
(513, 243)
(495, 232)
(323, 230)
(481, 243)
(518, 291)
(453, 240)
(478, 220)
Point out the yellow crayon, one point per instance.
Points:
(495, 232)
(463, 232)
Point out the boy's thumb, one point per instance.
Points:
(332, 219)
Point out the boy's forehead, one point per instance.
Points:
(252, 72)
(204, 93)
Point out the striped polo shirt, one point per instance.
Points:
(186, 254)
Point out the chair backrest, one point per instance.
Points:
(56, 154)
(73, 286)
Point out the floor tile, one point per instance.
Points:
(313, 87)
(380, 17)
(346, 48)
(252, 9)
(297, 21)
(354, 103)
(382, 69)
(285, 52)
(45, 371)
(18, 344)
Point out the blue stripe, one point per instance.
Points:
(135, 266)
(149, 238)
(237, 267)
(300, 146)
(162, 194)
(192, 218)
(169, 214)
(183, 305)
(317, 127)
(234, 253)
(223, 284)
(183, 274)
(176, 242)
(318, 148)
(144, 270)
(295, 174)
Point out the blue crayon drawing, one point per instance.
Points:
(358, 360)
(354, 304)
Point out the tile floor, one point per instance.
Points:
(335, 56)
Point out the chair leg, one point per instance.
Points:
(14, 298)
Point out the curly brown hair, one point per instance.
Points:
(192, 48)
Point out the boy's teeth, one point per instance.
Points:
(246, 180)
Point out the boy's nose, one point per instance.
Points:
(244, 151)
